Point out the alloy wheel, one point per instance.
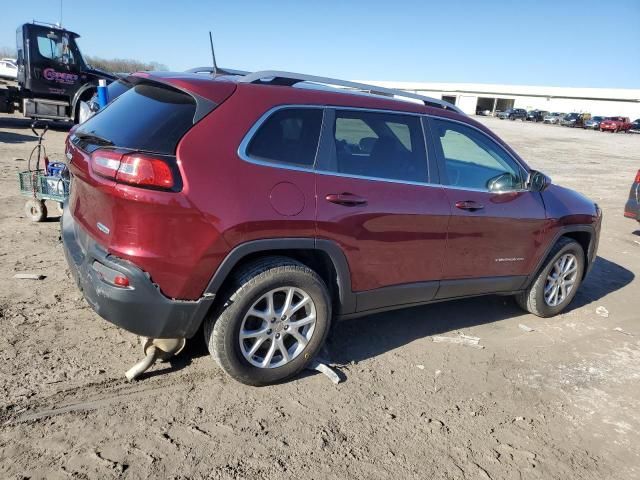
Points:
(561, 280)
(277, 327)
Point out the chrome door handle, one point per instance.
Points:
(469, 205)
(346, 199)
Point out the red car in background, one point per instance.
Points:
(615, 124)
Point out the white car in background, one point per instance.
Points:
(8, 69)
(554, 118)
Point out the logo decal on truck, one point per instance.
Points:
(60, 77)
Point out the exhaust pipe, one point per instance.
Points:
(154, 349)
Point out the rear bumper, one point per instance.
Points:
(141, 309)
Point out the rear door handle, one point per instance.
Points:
(346, 199)
(469, 205)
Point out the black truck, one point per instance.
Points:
(53, 78)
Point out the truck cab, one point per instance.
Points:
(53, 77)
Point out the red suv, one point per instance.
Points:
(266, 205)
(615, 124)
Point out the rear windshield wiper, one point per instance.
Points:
(93, 138)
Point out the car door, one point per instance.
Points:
(55, 63)
(496, 224)
(375, 201)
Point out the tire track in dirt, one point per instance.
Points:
(107, 393)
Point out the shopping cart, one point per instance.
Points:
(40, 184)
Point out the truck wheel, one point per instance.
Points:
(35, 210)
(271, 323)
(557, 282)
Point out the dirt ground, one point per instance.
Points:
(562, 401)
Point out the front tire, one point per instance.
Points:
(556, 284)
(272, 322)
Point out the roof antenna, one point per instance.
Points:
(213, 55)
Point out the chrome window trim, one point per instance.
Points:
(376, 179)
(242, 149)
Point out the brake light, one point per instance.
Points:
(637, 180)
(145, 170)
(139, 169)
(106, 163)
(121, 281)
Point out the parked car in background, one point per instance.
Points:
(575, 119)
(632, 208)
(615, 124)
(553, 118)
(513, 114)
(8, 69)
(484, 112)
(635, 126)
(537, 115)
(594, 122)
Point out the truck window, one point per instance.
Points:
(55, 48)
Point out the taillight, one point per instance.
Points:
(106, 163)
(637, 180)
(111, 276)
(139, 169)
(145, 170)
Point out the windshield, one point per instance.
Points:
(60, 47)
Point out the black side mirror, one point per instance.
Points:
(537, 181)
(505, 182)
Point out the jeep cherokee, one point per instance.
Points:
(264, 206)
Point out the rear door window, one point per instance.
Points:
(148, 117)
(379, 145)
(288, 136)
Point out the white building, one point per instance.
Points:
(471, 97)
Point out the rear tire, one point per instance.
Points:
(538, 298)
(245, 315)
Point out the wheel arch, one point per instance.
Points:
(585, 235)
(325, 257)
(82, 93)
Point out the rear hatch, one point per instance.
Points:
(126, 179)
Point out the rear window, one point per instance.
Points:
(117, 88)
(148, 117)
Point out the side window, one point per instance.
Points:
(473, 160)
(55, 48)
(380, 145)
(288, 136)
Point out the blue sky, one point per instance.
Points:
(562, 42)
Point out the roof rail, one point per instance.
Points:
(276, 77)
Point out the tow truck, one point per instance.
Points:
(53, 78)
